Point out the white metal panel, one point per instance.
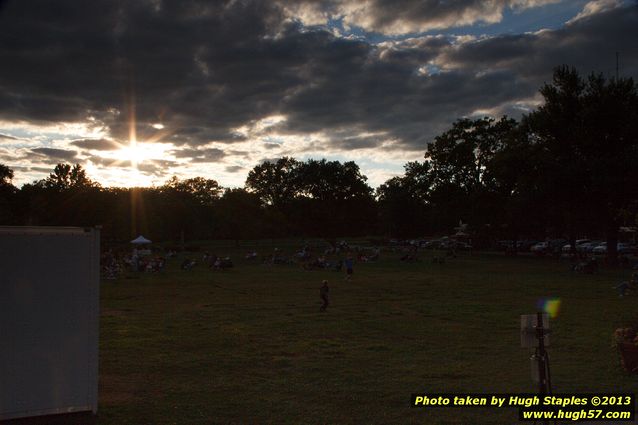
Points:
(49, 320)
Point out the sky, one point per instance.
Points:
(138, 91)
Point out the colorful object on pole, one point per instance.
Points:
(550, 306)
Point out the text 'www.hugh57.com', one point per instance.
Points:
(532, 407)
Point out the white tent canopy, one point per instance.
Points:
(140, 240)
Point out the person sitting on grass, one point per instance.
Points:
(625, 287)
(409, 258)
(187, 264)
(211, 260)
(589, 266)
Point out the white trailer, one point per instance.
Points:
(49, 321)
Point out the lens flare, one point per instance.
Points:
(550, 306)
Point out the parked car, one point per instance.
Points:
(588, 247)
(525, 245)
(578, 242)
(446, 244)
(621, 248)
(504, 245)
(626, 248)
(540, 248)
(556, 244)
(551, 246)
(462, 246)
(600, 249)
(432, 244)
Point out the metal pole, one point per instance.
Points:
(542, 358)
(540, 335)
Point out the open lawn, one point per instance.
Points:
(249, 345)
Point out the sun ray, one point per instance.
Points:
(132, 153)
(132, 136)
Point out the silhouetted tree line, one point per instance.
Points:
(283, 198)
(568, 168)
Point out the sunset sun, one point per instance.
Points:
(136, 153)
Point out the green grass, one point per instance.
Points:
(249, 345)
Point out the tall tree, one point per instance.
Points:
(276, 183)
(588, 129)
(404, 201)
(65, 176)
(331, 180)
(511, 181)
(240, 215)
(459, 160)
(316, 197)
(7, 195)
(204, 191)
(334, 199)
(6, 175)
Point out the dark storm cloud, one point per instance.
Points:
(386, 96)
(106, 162)
(55, 154)
(358, 142)
(205, 69)
(203, 135)
(589, 44)
(487, 74)
(238, 153)
(97, 144)
(155, 167)
(234, 168)
(98, 55)
(200, 155)
(36, 169)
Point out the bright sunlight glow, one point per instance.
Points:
(128, 157)
(138, 152)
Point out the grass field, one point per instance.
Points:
(249, 345)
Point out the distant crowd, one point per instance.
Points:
(337, 257)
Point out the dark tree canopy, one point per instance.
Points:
(65, 176)
(331, 180)
(588, 132)
(205, 191)
(276, 183)
(404, 202)
(6, 175)
(7, 196)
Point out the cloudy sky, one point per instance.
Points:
(137, 91)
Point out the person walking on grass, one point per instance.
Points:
(349, 268)
(323, 293)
